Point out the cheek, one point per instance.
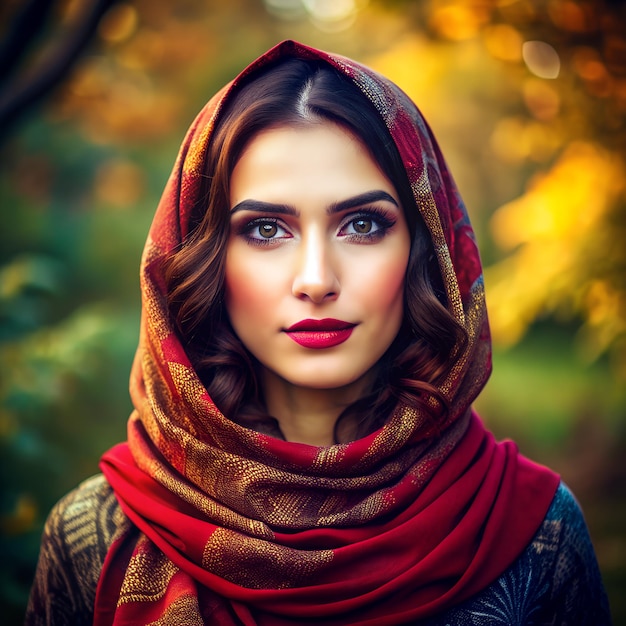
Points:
(248, 290)
(382, 286)
(238, 287)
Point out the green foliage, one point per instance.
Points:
(69, 317)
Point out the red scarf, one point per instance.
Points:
(238, 527)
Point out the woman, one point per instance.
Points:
(303, 448)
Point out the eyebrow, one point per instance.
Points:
(368, 197)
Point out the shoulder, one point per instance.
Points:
(575, 579)
(556, 580)
(562, 558)
(77, 535)
(87, 516)
(564, 534)
(563, 529)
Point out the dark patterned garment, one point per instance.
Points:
(555, 581)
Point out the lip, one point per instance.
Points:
(327, 324)
(320, 334)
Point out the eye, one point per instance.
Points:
(267, 231)
(362, 226)
(264, 230)
(367, 226)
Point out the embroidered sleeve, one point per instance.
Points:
(78, 532)
(555, 582)
(578, 595)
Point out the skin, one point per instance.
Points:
(317, 231)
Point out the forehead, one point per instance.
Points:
(321, 159)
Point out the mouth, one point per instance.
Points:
(320, 334)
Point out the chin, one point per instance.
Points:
(326, 380)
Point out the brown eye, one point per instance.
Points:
(264, 231)
(362, 226)
(268, 230)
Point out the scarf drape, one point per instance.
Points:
(238, 527)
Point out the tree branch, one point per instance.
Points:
(26, 26)
(22, 94)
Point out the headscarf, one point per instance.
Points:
(238, 527)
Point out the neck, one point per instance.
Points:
(308, 415)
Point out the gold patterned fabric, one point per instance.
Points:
(239, 527)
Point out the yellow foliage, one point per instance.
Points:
(541, 99)
(400, 60)
(503, 42)
(562, 203)
(515, 139)
(605, 306)
(458, 20)
(556, 231)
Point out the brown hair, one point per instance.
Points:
(296, 93)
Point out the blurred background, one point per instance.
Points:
(528, 101)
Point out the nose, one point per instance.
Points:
(315, 277)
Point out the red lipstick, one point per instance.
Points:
(320, 334)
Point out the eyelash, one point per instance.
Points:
(378, 216)
(247, 229)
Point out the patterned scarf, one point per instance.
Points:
(237, 527)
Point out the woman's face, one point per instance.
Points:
(316, 257)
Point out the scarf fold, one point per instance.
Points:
(237, 527)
